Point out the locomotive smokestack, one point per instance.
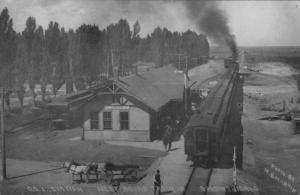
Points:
(213, 21)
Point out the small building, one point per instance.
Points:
(68, 108)
(134, 108)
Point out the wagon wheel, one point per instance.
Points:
(131, 175)
(109, 177)
(74, 178)
(115, 184)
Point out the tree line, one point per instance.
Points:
(56, 55)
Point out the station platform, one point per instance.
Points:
(174, 170)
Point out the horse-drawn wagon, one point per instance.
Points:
(125, 173)
(109, 172)
(81, 169)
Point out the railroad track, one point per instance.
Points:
(198, 182)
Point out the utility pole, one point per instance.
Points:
(115, 69)
(3, 136)
(194, 60)
(185, 84)
(107, 66)
(179, 64)
(234, 167)
(122, 66)
(112, 58)
(186, 71)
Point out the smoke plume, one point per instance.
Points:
(212, 21)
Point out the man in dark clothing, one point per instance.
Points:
(157, 183)
(167, 137)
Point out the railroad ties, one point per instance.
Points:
(198, 182)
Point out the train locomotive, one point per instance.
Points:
(204, 132)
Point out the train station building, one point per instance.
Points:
(132, 108)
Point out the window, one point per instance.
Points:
(124, 120)
(189, 142)
(94, 120)
(107, 121)
(202, 140)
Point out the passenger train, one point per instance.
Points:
(204, 132)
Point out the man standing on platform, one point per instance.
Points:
(157, 182)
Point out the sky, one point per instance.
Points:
(254, 23)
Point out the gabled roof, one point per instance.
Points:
(154, 88)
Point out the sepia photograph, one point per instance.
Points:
(149, 97)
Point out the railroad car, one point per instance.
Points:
(205, 129)
(228, 62)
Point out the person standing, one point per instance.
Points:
(157, 182)
(171, 133)
(167, 137)
(170, 139)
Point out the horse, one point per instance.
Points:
(93, 167)
(68, 164)
(76, 168)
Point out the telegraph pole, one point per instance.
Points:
(115, 72)
(234, 167)
(179, 65)
(179, 62)
(3, 136)
(112, 58)
(185, 84)
(196, 61)
(186, 71)
(107, 66)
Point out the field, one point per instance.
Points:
(271, 152)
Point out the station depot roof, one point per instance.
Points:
(155, 88)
